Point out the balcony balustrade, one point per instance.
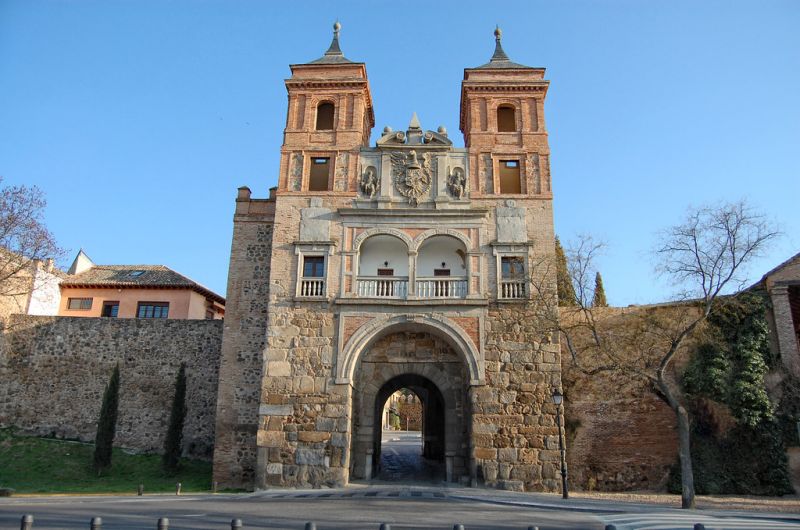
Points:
(382, 286)
(512, 289)
(442, 287)
(397, 287)
(312, 287)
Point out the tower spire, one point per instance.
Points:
(334, 47)
(499, 53)
(334, 54)
(500, 58)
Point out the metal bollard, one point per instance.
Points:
(26, 523)
(163, 524)
(236, 524)
(311, 526)
(699, 526)
(214, 486)
(96, 523)
(385, 526)
(140, 490)
(177, 488)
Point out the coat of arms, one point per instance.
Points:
(411, 175)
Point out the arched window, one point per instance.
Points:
(325, 116)
(506, 122)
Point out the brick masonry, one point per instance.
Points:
(53, 372)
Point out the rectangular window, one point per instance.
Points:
(509, 177)
(318, 176)
(313, 266)
(152, 310)
(110, 309)
(513, 268)
(385, 272)
(79, 304)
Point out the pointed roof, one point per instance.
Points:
(81, 263)
(334, 54)
(414, 122)
(499, 59)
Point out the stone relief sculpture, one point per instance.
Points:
(369, 182)
(457, 183)
(297, 172)
(487, 173)
(533, 173)
(412, 175)
(340, 182)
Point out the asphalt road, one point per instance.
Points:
(402, 462)
(337, 512)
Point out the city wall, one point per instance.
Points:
(53, 372)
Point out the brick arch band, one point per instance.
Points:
(440, 326)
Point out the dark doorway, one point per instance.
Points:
(409, 455)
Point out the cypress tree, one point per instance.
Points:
(599, 298)
(107, 424)
(174, 439)
(566, 291)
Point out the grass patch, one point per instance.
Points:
(45, 465)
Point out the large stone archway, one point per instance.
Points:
(428, 364)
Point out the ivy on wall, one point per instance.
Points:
(738, 434)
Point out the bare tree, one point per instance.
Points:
(704, 257)
(24, 240)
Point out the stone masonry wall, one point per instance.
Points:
(243, 343)
(54, 370)
(514, 424)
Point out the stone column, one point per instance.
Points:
(412, 274)
(784, 326)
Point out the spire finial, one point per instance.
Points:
(414, 122)
(499, 54)
(334, 47)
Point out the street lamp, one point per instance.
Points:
(558, 398)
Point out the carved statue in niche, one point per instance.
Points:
(297, 172)
(457, 183)
(412, 175)
(369, 182)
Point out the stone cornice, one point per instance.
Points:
(493, 87)
(328, 83)
(414, 212)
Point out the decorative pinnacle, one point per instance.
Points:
(499, 54)
(414, 122)
(334, 47)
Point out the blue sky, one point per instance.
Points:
(139, 119)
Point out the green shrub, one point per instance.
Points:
(107, 424)
(729, 368)
(174, 440)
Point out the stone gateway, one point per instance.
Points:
(403, 265)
